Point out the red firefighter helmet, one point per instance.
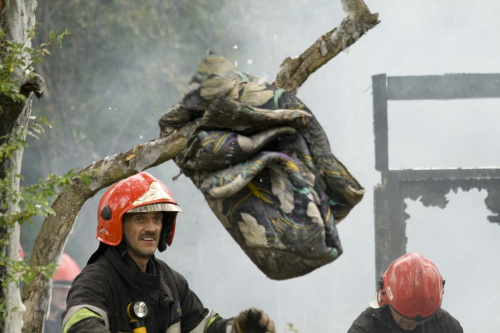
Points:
(67, 270)
(138, 193)
(412, 286)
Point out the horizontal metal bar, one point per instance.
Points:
(445, 174)
(448, 86)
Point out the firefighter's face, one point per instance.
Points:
(142, 233)
(404, 323)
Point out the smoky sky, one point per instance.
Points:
(413, 38)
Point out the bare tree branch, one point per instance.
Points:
(294, 72)
(51, 240)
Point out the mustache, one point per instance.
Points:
(148, 234)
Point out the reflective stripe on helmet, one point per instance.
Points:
(78, 313)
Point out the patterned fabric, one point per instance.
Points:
(264, 165)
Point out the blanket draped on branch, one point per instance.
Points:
(264, 165)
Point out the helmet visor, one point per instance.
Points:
(157, 207)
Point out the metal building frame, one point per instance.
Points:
(430, 184)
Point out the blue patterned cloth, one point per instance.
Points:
(264, 165)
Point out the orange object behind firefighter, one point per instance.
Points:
(64, 276)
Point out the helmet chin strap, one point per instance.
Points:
(162, 244)
(165, 231)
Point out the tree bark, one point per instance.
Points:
(50, 242)
(17, 17)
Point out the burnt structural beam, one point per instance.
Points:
(397, 185)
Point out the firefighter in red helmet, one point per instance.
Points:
(64, 276)
(409, 299)
(125, 288)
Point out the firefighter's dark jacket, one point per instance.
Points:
(98, 298)
(380, 320)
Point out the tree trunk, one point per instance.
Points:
(50, 242)
(17, 17)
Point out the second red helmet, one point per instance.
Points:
(67, 270)
(141, 192)
(412, 286)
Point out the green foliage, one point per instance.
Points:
(13, 57)
(19, 271)
(33, 200)
(11, 144)
(20, 59)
